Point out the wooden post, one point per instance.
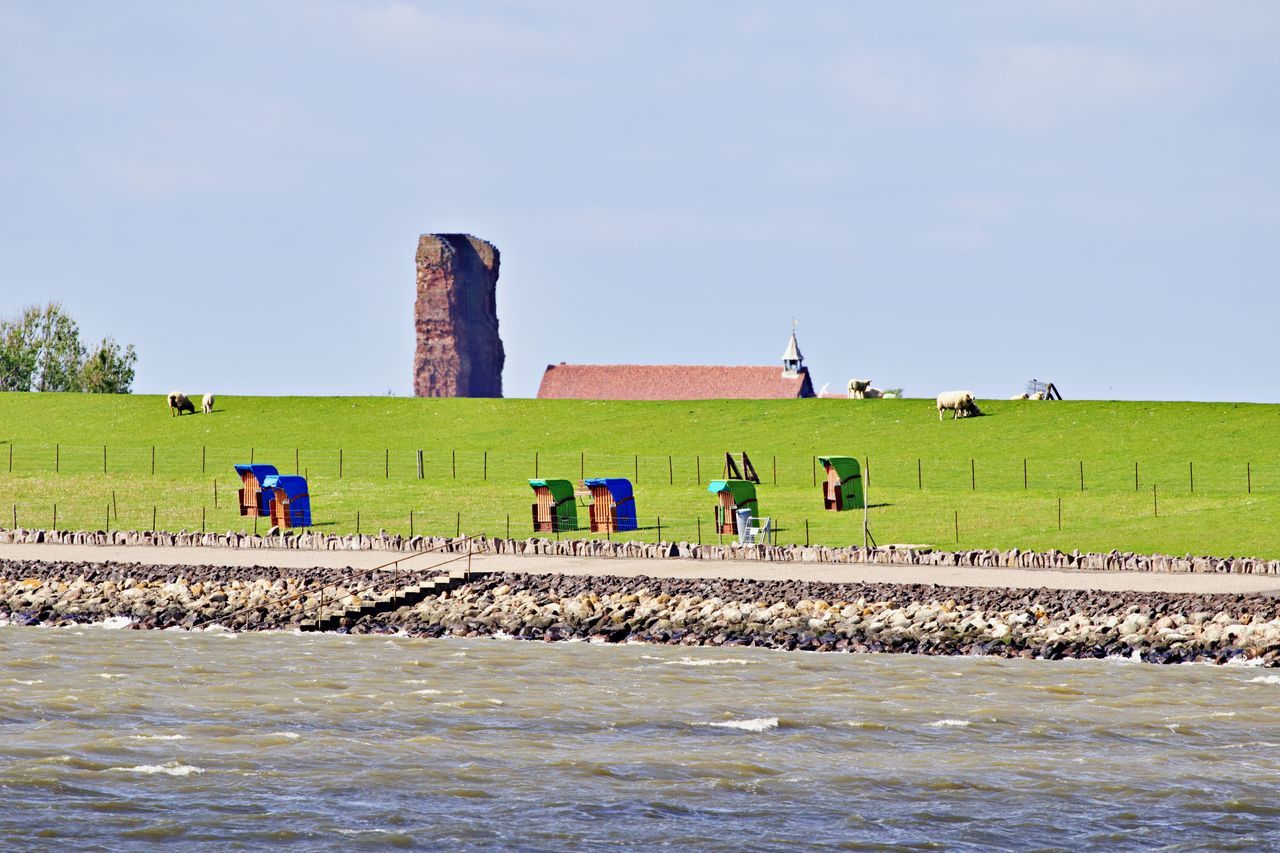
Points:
(339, 463)
(1024, 473)
(1082, 475)
(866, 475)
(699, 530)
(153, 460)
(508, 525)
(202, 515)
(458, 530)
(386, 463)
(203, 449)
(297, 462)
(420, 463)
(250, 455)
(806, 533)
(153, 517)
(671, 472)
(697, 460)
(775, 470)
(107, 527)
(104, 459)
(1135, 476)
(1248, 473)
(486, 466)
(1191, 473)
(55, 516)
(659, 528)
(255, 521)
(919, 474)
(115, 506)
(973, 476)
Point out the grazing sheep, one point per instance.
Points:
(872, 394)
(206, 405)
(178, 403)
(1039, 395)
(1023, 396)
(961, 404)
(858, 388)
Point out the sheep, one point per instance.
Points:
(1023, 396)
(206, 405)
(1039, 395)
(858, 388)
(178, 403)
(872, 394)
(961, 404)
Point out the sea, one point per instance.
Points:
(122, 740)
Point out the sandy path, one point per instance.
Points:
(942, 575)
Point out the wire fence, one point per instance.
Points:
(985, 473)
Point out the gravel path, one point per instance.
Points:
(1200, 584)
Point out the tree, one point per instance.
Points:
(108, 370)
(40, 350)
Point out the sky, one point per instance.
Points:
(959, 195)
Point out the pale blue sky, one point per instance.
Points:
(944, 194)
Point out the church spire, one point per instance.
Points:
(792, 360)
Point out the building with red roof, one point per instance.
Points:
(679, 381)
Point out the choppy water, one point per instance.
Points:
(117, 738)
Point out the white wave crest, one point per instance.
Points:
(760, 724)
(114, 623)
(427, 692)
(27, 682)
(949, 724)
(289, 735)
(110, 675)
(1265, 679)
(157, 737)
(170, 768)
(711, 662)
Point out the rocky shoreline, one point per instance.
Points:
(812, 616)
(890, 555)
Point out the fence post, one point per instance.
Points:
(153, 517)
(775, 470)
(1191, 473)
(339, 463)
(1248, 473)
(203, 450)
(250, 455)
(670, 472)
(386, 463)
(115, 506)
(11, 462)
(699, 519)
(508, 525)
(697, 461)
(486, 466)
(107, 528)
(57, 459)
(104, 459)
(806, 533)
(153, 460)
(202, 510)
(1135, 476)
(1024, 473)
(1082, 475)
(55, 516)
(420, 472)
(458, 530)
(919, 475)
(659, 528)
(973, 476)
(255, 521)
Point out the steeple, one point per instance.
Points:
(792, 360)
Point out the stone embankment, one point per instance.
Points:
(1157, 627)
(1115, 561)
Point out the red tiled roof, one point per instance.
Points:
(670, 382)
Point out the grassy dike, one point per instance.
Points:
(925, 476)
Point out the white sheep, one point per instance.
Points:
(206, 405)
(178, 403)
(961, 404)
(1039, 395)
(1023, 396)
(858, 388)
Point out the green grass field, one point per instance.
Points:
(480, 453)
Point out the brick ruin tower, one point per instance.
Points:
(459, 353)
